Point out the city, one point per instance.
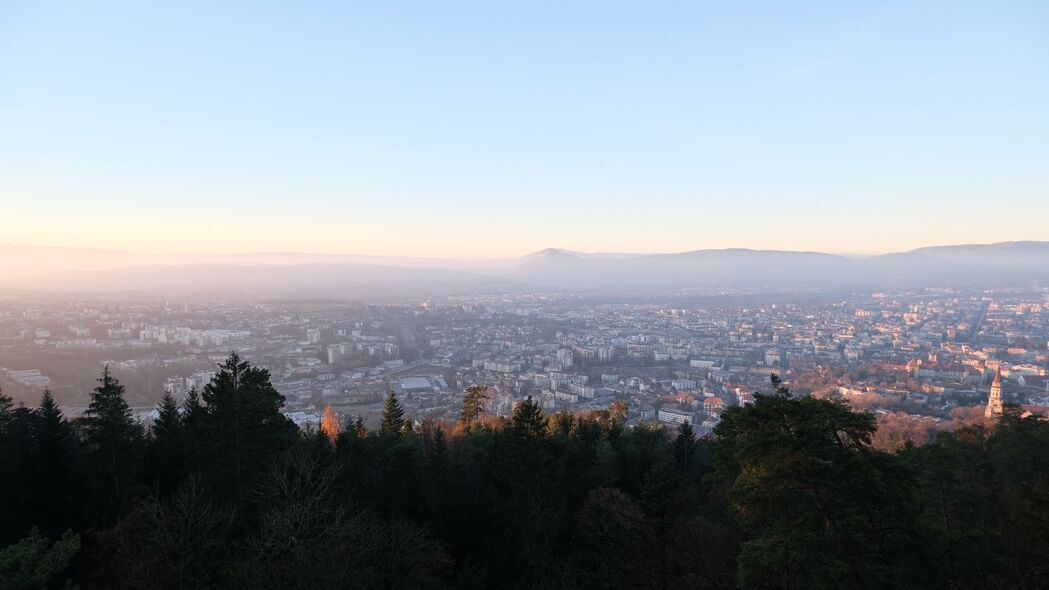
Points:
(923, 361)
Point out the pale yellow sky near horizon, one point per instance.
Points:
(467, 229)
(468, 241)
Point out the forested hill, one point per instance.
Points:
(224, 492)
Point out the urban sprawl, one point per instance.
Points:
(923, 361)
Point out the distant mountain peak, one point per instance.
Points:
(561, 253)
(553, 253)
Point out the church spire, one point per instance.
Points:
(994, 402)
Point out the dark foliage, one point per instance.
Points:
(223, 493)
(114, 443)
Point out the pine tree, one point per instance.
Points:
(192, 413)
(50, 414)
(241, 428)
(55, 471)
(528, 420)
(473, 405)
(34, 561)
(800, 469)
(392, 416)
(169, 416)
(114, 441)
(359, 427)
(166, 446)
(168, 423)
(15, 444)
(684, 446)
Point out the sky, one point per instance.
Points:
(494, 129)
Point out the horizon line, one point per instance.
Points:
(569, 251)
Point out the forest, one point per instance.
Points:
(222, 491)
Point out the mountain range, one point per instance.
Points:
(1021, 264)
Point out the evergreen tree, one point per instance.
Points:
(392, 416)
(473, 405)
(51, 419)
(984, 499)
(15, 445)
(528, 420)
(168, 425)
(168, 418)
(34, 561)
(819, 507)
(193, 413)
(241, 428)
(799, 499)
(359, 427)
(57, 492)
(115, 443)
(166, 447)
(684, 446)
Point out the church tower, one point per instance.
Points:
(994, 403)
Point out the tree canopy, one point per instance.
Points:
(223, 491)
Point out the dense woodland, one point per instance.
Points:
(224, 492)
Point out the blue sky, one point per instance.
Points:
(496, 129)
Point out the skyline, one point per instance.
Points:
(495, 131)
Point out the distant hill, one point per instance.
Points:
(1026, 255)
(701, 271)
(554, 252)
(1001, 264)
(728, 268)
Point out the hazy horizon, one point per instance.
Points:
(510, 256)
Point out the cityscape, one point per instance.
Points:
(524, 295)
(923, 361)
